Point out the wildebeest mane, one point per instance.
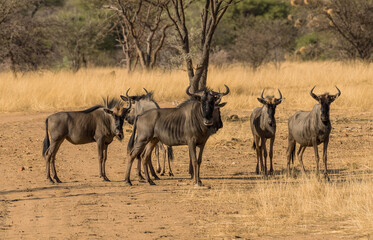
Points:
(147, 96)
(186, 102)
(91, 109)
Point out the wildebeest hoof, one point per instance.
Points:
(170, 174)
(58, 180)
(199, 184)
(162, 174)
(327, 177)
(156, 178)
(50, 180)
(128, 183)
(151, 182)
(106, 179)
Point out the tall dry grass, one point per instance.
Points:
(51, 91)
(293, 208)
(277, 207)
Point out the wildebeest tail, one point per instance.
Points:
(254, 146)
(132, 138)
(46, 142)
(170, 153)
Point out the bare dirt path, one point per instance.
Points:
(84, 207)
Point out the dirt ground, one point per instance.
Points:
(85, 207)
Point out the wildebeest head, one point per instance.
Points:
(271, 103)
(210, 104)
(140, 104)
(118, 114)
(325, 100)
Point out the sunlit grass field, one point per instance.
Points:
(276, 207)
(52, 91)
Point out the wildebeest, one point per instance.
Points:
(310, 129)
(191, 123)
(263, 126)
(141, 104)
(97, 124)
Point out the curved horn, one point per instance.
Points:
(146, 90)
(280, 94)
(226, 92)
(314, 95)
(278, 100)
(261, 95)
(127, 93)
(339, 92)
(187, 91)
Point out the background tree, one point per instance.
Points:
(348, 23)
(25, 37)
(82, 30)
(262, 41)
(257, 32)
(141, 25)
(211, 14)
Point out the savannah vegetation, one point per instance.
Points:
(67, 54)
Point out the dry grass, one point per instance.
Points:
(290, 208)
(48, 91)
(278, 207)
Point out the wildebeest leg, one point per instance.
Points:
(271, 154)
(151, 168)
(137, 149)
(53, 160)
(156, 153)
(199, 161)
(139, 168)
(146, 160)
(258, 155)
(264, 149)
(104, 163)
(161, 147)
(317, 158)
(101, 146)
(325, 150)
(193, 158)
(169, 156)
(300, 157)
(52, 151)
(290, 153)
(55, 177)
(47, 166)
(191, 171)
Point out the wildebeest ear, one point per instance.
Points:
(108, 111)
(124, 98)
(261, 100)
(220, 105)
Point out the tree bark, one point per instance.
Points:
(211, 15)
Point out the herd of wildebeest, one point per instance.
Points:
(191, 123)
